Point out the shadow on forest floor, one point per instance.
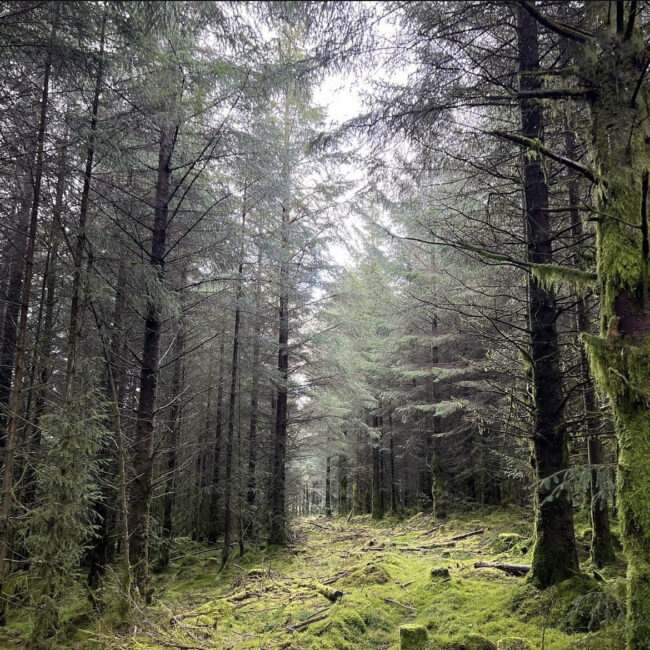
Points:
(291, 598)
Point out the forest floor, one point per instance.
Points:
(287, 598)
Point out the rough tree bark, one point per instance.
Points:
(141, 485)
(554, 556)
(174, 432)
(214, 524)
(620, 356)
(602, 550)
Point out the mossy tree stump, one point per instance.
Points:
(413, 637)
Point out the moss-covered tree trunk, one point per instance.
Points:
(620, 356)
(554, 556)
(602, 550)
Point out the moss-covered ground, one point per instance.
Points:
(278, 598)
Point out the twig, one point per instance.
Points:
(338, 576)
(322, 630)
(395, 602)
(305, 623)
(480, 531)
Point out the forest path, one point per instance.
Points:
(287, 599)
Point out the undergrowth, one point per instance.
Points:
(290, 598)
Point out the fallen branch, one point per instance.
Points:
(510, 569)
(305, 623)
(322, 630)
(395, 602)
(480, 531)
(338, 576)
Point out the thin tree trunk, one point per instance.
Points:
(101, 553)
(115, 401)
(74, 329)
(214, 523)
(328, 487)
(21, 334)
(16, 268)
(174, 433)
(393, 485)
(343, 485)
(140, 500)
(277, 528)
(234, 370)
(554, 557)
(602, 550)
(376, 508)
(252, 432)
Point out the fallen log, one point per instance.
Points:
(410, 549)
(333, 595)
(510, 569)
(480, 531)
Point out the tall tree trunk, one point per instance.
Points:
(74, 329)
(234, 370)
(203, 469)
(602, 550)
(101, 553)
(215, 519)
(277, 527)
(174, 433)
(15, 270)
(42, 367)
(256, 367)
(554, 556)
(376, 507)
(328, 487)
(21, 334)
(620, 356)
(343, 485)
(393, 484)
(140, 498)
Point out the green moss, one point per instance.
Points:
(470, 642)
(382, 592)
(370, 574)
(514, 643)
(506, 542)
(413, 637)
(554, 276)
